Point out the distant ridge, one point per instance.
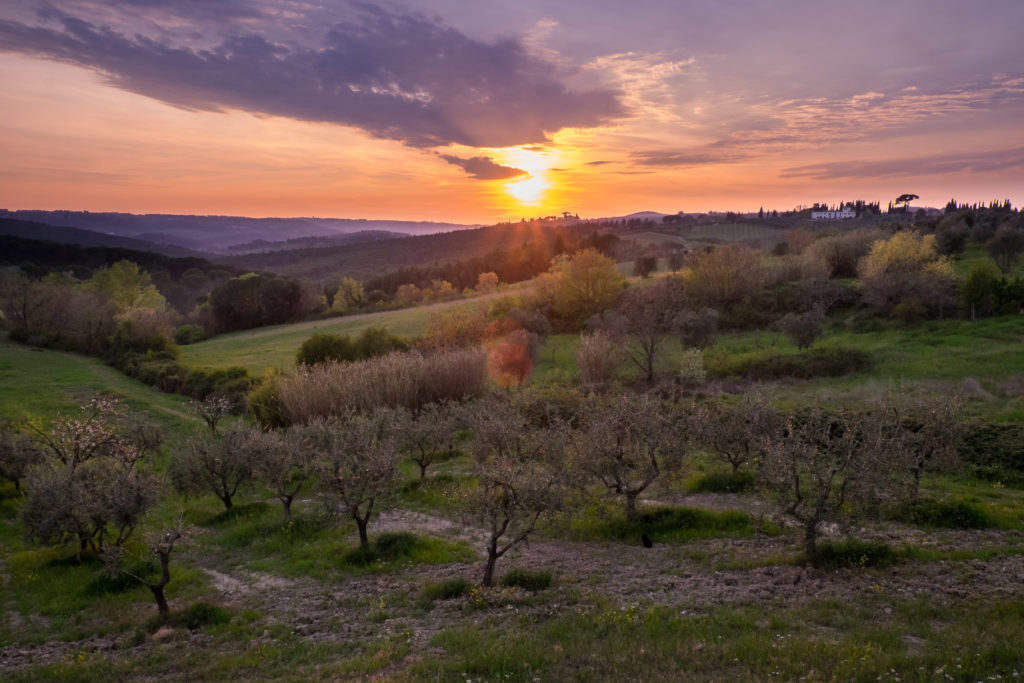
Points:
(217, 234)
(87, 238)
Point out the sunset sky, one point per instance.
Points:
(474, 112)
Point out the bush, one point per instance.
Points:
(189, 334)
(446, 590)
(396, 545)
(722, 482)
(527, 580)
(663, 524)
(193, 617)
(994, 451)
(829, 362)
(945, 514)
(854, 554)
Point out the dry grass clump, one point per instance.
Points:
(408, 380)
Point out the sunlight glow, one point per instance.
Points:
(528, 190)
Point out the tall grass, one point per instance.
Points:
(408, 380)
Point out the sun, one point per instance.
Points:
(529, 190)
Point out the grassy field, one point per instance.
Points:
(275, 347)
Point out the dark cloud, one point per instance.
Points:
(205, 10)
(484, 168)
(599, 162)
(397, 76)
(980, 162)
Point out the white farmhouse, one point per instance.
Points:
(845, 213)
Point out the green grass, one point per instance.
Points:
(275, 347)
(661, 525)
(39, 383)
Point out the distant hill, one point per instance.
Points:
(67, 235)
(263, 246)
(219, 233)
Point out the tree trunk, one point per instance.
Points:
(286, 503)
(811, 542)
(364, 540)
(226, 499)
(492, 559)
(423, 471)
(161, 601)
(631, 513)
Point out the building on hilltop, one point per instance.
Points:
(842, 214)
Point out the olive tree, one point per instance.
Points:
(824, 466)
(87, 483)
(734, 432)
(924, 435)
(626, 442)
(355, 458)
(521, 474)
(17, 452)
(284, 463)
(426, 436)
(221, 463)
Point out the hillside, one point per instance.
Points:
(218, 233)
(63, 234)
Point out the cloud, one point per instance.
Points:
(668, 157)
(484, 168)
(396, 76)
(979, 162)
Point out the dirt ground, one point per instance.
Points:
(686, 576)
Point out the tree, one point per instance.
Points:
(284, 464)
(626, 442)
(598, 358)
(925, 435)
(823, 466)
(350, 295)
(735, 432)
(979, 287)
(803, 328)
(356, 463)
(580, 286)
(161, 545)
(1006, 246)
(905, 275)
(127, 287)
(425, 436)
(87, 483)
(486, 283)
(212, 410)
(520, 471)
(905, 200)
(697, 329)
(220, 463)
(730, 275)
(643, 266)
(644, 318)
(675, 260)
(17, 452)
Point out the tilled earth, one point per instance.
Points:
(693, 577)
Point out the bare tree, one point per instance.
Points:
(520, 471)
(220, 463)
(924, 435)
(285, 464)
(356, 461)
(626, 443)
(162, 545)
(823, 466)
(427, 435)
(735, 432)
(17, 452)
(644, 319)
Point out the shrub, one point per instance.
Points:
(722, 482)
(193, 617)
(408, 380)
(189, 334)
(396, 545)
(598, 358)
(994, 451)
(527, 580)
(945, 514)
(830, 362)
(854, 554)
(446, 590)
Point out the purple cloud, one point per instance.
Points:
(979, 162)
(396, 76)
(484, 168)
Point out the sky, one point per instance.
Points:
(477, 112)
